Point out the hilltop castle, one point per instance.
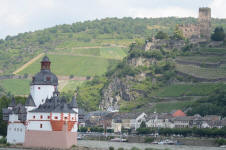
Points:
(46, 119)
(200, 30)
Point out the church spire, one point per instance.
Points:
(73, 103)
(13, 102)
(30, 101)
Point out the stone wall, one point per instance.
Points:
(50, 139)
(190, 30)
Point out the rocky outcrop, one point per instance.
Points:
(141, 61)
(116, 90)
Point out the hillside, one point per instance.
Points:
(110, 32)
(163, 80)
(99, 50)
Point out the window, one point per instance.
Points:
(55, 117)
(48, 117)
(33, 117)
(40, 125)
(39, 88)
(65, 118)
(41, 117)
(48, 78)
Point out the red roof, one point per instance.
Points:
(179, 113)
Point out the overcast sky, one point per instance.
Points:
(18, 16)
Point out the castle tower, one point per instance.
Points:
(205, 22)
(43, 83)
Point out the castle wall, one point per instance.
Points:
(50, 139)
(40, 92)
(15, 133)
(190, 30)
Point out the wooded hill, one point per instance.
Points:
(101, 50)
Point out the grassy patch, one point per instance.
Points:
(170, 106)
(74, 65)
(202, 59)
(16, 86)
(199, 89)
(72, 85)
(208, 73)
(213, 50)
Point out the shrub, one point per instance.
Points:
(3, 140)
(121, 148)
(161, 35)
(71, 76)
(218, 34)
(148, 140)
(135, 148)
(25, 75)
(111, 148)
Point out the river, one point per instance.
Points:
(116, 145)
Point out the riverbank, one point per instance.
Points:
(189, 141)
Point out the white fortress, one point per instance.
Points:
(46, 119)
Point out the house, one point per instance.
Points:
(160, 121)
(182, 122)
(128, 120)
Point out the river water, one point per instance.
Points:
(116, 145)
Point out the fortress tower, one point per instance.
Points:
(205, 22)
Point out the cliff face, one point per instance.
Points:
(121, 88)
(115, 91)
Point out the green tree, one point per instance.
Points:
(218, 34)
(161, 35)
(143, 125)
(178, 34)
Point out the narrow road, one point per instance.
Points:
(28, 63)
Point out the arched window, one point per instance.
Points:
(41, 117)
(33, 117)
(40, 125)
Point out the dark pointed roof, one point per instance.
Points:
(13, 102)
(45, 59)
(73, 103)
(30, 101)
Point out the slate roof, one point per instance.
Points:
(73, 103)
(12, 103)
(55, 104)
(45, 77)
(45, 59)
(30, 101)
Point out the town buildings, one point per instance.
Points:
(46, 119)
(119, 121)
